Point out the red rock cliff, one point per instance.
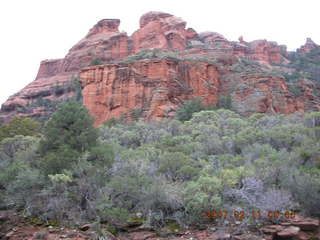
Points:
(103, 42)
(202, 65)
(155, 87)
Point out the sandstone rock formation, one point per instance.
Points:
(160, 30)
(189, 65)
(260, 50)
(103, 42)
(155, 87)
(258, 92)
(308, 46)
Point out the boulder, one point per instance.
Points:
(289, 232)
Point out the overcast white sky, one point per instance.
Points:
(34, 30)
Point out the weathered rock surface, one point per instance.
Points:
(161, 30)
(308, 46)
(157, 87)
(288, 233)
(103, 42)
(258, 92)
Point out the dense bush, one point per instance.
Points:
(166, 170)
(184, 113)
(19, 126)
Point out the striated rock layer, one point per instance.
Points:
(154, 87)
(181, 64)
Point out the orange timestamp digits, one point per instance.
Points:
(215, 214)
(240, 215)
(277, 214)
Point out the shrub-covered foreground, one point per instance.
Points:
(162, 171)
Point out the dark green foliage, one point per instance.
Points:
(57, 160)
(58, 90)
(113, 121)
(186, 110)
(136, 114)
(76, 86)
(68, 133)
(184, 113)
(71, 86)
(71, 125)
(96, 61)
(224, 102)
(103, 155)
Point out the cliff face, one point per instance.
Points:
(153, 87)
(104, 42)
(180, 64)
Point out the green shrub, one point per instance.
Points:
(57, 161)
(19, 126)
(76, 86)
(112, 122)
(103, 155)
(9, 174)
(177, 166)
(201, 196)
(113, 215)
(224, 102)
(305, 188)
(96, 61)
(136, 114)
(185, 111)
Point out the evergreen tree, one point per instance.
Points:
(68, 133)
(184, 113)
(71, 125)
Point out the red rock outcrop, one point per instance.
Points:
(260, 50)
(308, 46)
(263, 51)
(156, 87)
(104, 42)
(259, 92)
(160, 30)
